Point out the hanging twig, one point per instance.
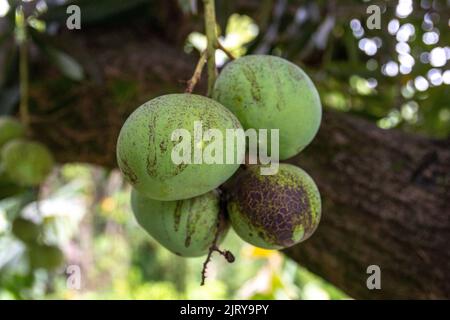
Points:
(225, 50)
(197, 73)
(221, 228)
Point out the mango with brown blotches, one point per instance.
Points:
(275, 211)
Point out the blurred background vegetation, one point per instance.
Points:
(86, 213)
(397, 77)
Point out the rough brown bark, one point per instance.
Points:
(386, 199)
(81, 121)
(386, 194)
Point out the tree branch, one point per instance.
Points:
(212, 43)
(22, 41)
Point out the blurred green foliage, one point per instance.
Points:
(86, 214)
(397, 77)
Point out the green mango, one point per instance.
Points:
(25, 230)
(185, 227)
(43, 256)
(144, 147)
(275, 211)
(10, 129)
(267, 92)
(27, 163)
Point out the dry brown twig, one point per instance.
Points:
(221, 228)
(225, 50)
(197, 73)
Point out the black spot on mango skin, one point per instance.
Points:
(177, 215)
(252, 78)
(187, 243)
(151, 158)
(275, 205)
(278, 86)
(128, 172)
(163, 146)
(295, 75)
(194, 222)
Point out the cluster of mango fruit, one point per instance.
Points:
(181, 205)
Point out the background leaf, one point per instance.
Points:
(68, 65)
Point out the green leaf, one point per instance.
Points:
(188, 6)
(37, 24)
(68, 65)
(14, 204)
(21, 34)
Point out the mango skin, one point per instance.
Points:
(10, 129)
(268, 92)
(184, 227)
(144, 147)
(275, 211)
(27, 163)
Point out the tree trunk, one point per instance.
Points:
(386, 202)
(386, 194)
